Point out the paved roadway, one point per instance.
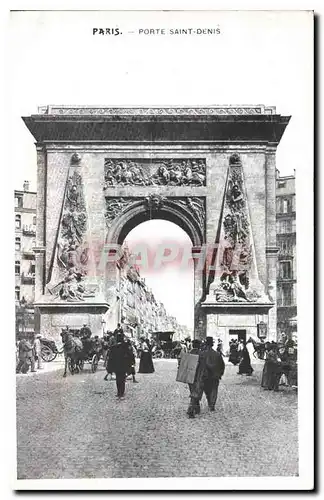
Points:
(76, 427)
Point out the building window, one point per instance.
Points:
(286, 247)
(285, 269)
(18, 221)
(286, 296)
(17, 244)
(281, 184)
(34, 220)
(294, 226)
(18, 201)
(17, 267)
(17, 293)
(32, 269)
(285, 206)
(284, 227)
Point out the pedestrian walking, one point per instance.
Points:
(119, 362)
(132, 369)
(233, 352)
(210, 370)
(272, 369)
(38, 351)
(146, 361)
(111, 342)
(245, 363)
(195, 409)
(26, 356)
(219, 346)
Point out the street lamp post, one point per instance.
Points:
(103, 322)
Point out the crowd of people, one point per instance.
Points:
(120, 352)
(280, 361)
(280, 366)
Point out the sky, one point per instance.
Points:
(172, 284)
(258, 58)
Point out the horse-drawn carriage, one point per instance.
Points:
(165, 347)
(49, 349)
(92, 352)
(78, 351)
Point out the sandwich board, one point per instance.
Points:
(187, 368)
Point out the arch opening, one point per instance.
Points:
(161, 252)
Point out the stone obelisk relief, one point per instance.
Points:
(236, 274)
(67, 274)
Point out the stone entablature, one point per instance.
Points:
(158, 111)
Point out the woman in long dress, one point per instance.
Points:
(272, 369)
(146, 362)
(245, 363)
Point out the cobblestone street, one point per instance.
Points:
(76, 427)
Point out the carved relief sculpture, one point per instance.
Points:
(71, 252)
(236, 272)
(154, 172)
(196, 206)
(154, 202)
(116, 206)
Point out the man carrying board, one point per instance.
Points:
(209, 372)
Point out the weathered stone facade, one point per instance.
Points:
(141, 164)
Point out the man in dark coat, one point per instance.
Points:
(85, 332)
(26, 356)
(195, 409)
(85, 335)
(119, 330)
(210, 370)
(120, 361)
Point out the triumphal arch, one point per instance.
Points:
(103, 170)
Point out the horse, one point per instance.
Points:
(259, 348)
(72, 348)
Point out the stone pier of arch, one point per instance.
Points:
(102, 171)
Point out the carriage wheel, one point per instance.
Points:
(94, 363)
(47, 354)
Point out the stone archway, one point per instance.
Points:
(186, 212)
(210, 170)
